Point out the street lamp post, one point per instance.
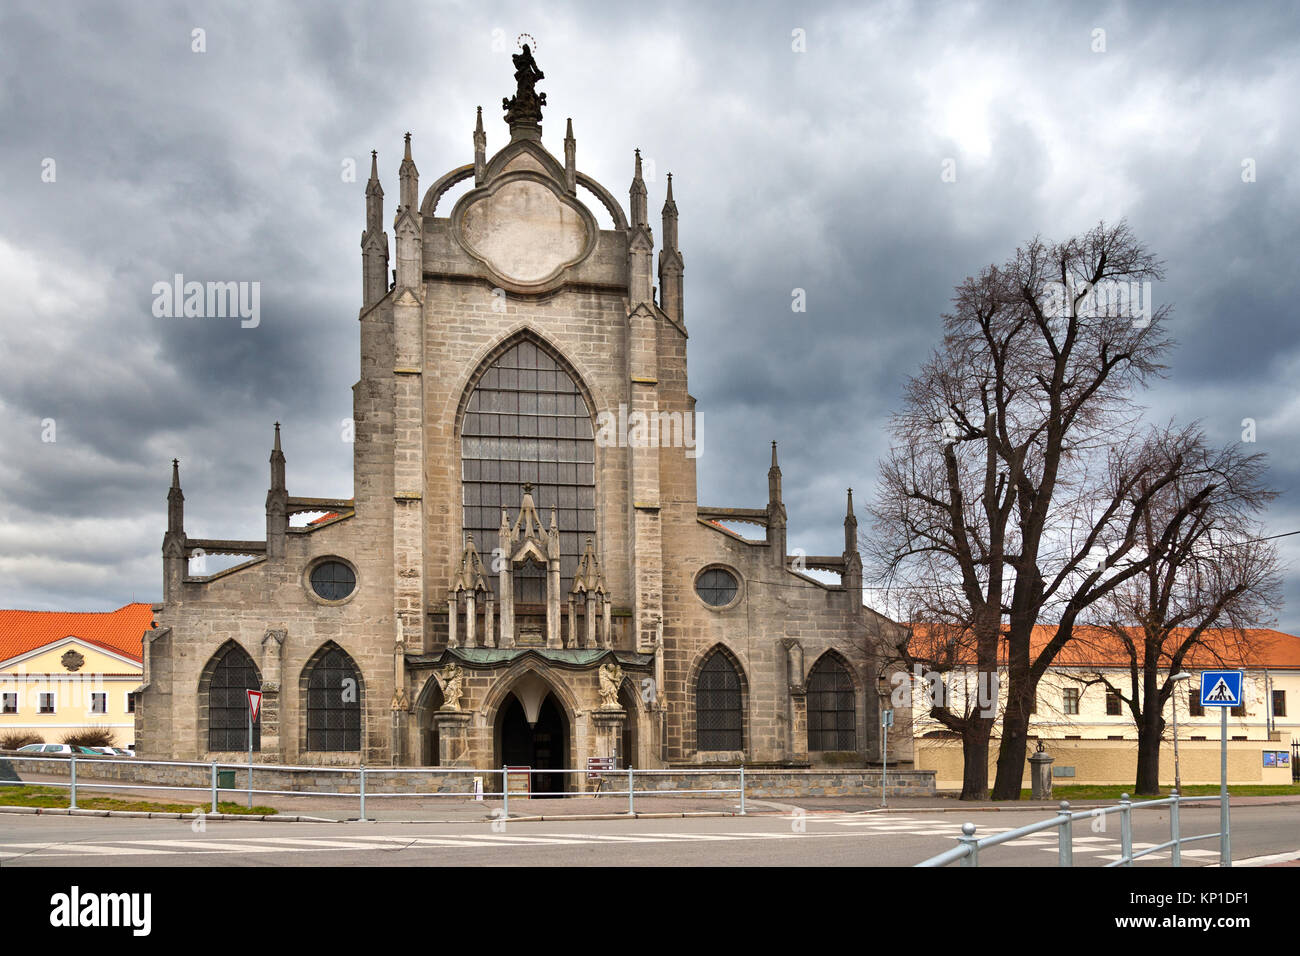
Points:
(1183, 675)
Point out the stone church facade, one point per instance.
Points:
(524, 575)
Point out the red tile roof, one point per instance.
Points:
(119, 631)
(1097, 647)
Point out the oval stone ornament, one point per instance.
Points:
(524, 232)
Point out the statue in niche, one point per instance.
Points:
(611, 676)
(451, 680)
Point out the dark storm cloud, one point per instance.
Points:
(817, 171)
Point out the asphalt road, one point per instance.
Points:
(768, 839)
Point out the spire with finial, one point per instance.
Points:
(480, 149)
(776, 517)
(277, 503)
(374, 196)
(176, 502)
(374, 241)
(409, 176)
(670, 262)
(850, 527)
(570, 157)
(638, 196)
(277, 462)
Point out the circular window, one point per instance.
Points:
(717, 587)
(333, 580)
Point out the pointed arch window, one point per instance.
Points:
(832, 714)
(718, 709)
(527, 421)
(233, 675)
(333, 702)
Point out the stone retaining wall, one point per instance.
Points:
(758, 783)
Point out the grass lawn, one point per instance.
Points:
(1189, 790)
(57, 798)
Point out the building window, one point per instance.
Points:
(1239, 711)
(527, 421)
(333, 703)
(45, 703)
(1194, 708)
(9, 703)
(1071, 700)
(718, 716)
(333, 580)
(99, 703)
(1279, 703)
(832, 714)
(233, 676)
(1115, 737)
(717, 587)
(1112, 704)
(130, 703)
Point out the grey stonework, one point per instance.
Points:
(518, 257)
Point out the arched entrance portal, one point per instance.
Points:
(542, 745)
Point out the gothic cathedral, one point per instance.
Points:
(524, 575)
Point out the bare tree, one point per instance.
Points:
(1213, 582)
(1020, 484)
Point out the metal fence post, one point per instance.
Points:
(631, 790)
(214, 786)
(72, 805)
(1175, 851)
(363, 792)
(1125, 830)
(1065, 836)
(742, 789)
(967, 838)
(505, 792)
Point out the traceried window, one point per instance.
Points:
(832, 716)
(334, 703)
(718, 716)
(233, 677)
(527, 421)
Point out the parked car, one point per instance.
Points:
(92, 751)
(46, 749)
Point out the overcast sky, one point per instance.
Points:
(816, 168)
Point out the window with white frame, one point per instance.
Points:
(9, 703)
(130, 703)
(1071, 700)
(45, 702)
(99, 702)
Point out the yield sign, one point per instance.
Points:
(254, 703)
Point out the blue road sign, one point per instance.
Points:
(1220, 688)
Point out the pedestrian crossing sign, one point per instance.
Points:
(1220, 688)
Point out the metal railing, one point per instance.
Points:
(507, 791)
(970, 846)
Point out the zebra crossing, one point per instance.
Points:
(284, 844)
(1105, 847)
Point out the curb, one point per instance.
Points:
(149, 815)
(557, 818)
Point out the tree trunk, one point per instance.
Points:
(975, 759)
(1011, 754)
(1150, 730)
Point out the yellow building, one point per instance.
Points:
(63, 672)
(1090, 732)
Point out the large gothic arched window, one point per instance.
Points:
(832, 716)
(527, 421)
(333, 701)
(231, 675)
(719, 716)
